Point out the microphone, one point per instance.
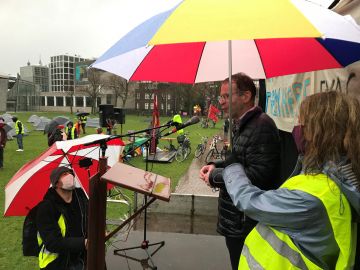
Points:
(172, 123)
(192, 121)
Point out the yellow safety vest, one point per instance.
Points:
(268, 248)
(177, 119)
(73, 130)
(83, 119)
(45, 256)
(17, 127)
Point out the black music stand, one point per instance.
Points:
(149, 184)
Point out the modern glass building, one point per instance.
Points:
(62, 72)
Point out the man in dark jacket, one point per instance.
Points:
(3, 138)
(256, 145)
(62, 223)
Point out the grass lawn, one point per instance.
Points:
(11, 227)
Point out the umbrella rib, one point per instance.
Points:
(70, 162)
(329, 52)
(261, 60)
(141, 63)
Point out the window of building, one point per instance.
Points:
(147, 96)
(66, 58)
(50, 101)
(108, 99)
(168, 107)
(138, 96)
(59, 101)
(98, 101)
(137, 105)
(79, 101)
(151, 106)
(162, 106)
(68, 101)
(146, 106)
(169, 96)
(42, 101)
(89, 101)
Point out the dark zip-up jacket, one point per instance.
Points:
(256, 145)
(71, 248)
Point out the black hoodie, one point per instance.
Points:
(71, 248)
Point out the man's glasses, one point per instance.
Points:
(223, 97)
(226, 96)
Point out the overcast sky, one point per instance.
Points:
(37, 29)
(34, 29)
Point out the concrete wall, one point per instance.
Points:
(185, 204)
(3, 93)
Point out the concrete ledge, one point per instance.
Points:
(185, 204)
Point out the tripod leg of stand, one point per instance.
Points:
(144, 245)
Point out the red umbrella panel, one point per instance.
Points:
(29, 185)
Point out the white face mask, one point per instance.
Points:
(68, 182)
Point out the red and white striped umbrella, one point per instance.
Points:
(29, 184)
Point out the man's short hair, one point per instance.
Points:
(243, 83)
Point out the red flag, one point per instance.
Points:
(155, 123)
(213, 111)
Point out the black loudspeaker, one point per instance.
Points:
(119, 115)
(106, 111)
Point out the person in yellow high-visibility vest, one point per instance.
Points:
(19, 131)
(177, 119)
(310, 221)
(71, 131)
(61, 221)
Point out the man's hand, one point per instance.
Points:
(205, 172)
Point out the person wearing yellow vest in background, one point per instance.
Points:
(19, 131)
(310, 221)
(71, 131)
(180, 133)
(61, 221)
(177, 119)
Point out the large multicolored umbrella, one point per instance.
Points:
(28, 186)
(189, 43)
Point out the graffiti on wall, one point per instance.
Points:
(283, 102)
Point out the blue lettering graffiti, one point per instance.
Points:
(283, 102)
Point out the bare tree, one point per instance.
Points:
(70, 94)
(120, 87)
(93, 88)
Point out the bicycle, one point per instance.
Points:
(184, 148)
(207, 123)
(214, 153)
(200, 149)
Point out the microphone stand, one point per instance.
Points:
(97, 209)
(145, 243)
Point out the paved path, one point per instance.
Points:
(190, 183)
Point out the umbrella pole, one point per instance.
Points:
(230, 92)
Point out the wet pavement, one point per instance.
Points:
(180, 251)
(190, 238)
(190, 242)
